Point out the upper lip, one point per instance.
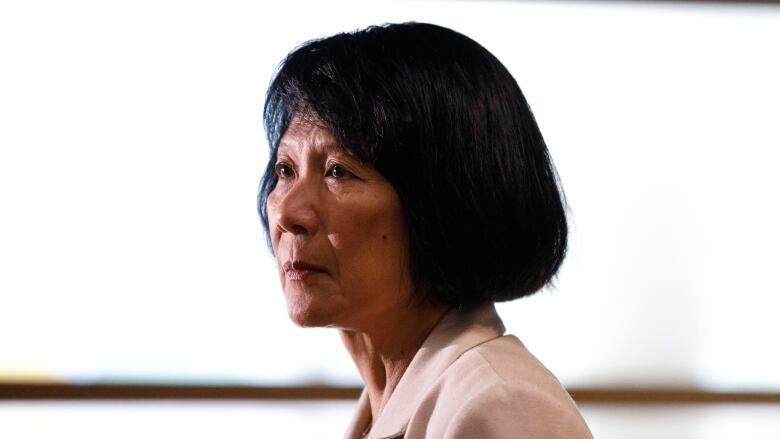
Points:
(301, 265)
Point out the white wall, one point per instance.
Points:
(131, 147)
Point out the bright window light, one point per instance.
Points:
(131, 148)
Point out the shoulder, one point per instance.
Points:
(498, 389)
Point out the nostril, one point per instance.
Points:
(297, 214)
(299, 230)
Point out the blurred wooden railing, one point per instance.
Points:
(115, 391)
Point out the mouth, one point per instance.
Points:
(300, 270)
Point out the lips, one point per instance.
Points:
(300, 270)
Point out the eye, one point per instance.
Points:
(338, 171)
(283, 170)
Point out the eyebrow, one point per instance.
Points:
(329, 145)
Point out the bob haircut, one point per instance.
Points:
(446, 123)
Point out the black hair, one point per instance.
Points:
(446, 123)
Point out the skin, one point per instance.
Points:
(330, 210)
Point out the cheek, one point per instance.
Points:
(363, 232)
(271, 211)
(392, 231)
(372, 244)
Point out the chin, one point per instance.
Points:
(306, 313)
(305, 319)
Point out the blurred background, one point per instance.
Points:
(137, 297)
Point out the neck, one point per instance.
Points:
(383, 349)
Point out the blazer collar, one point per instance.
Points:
(456, 333)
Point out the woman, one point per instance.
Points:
(408, 189)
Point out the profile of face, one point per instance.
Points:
(338, 233)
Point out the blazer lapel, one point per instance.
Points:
(457, 332)
(361, 418)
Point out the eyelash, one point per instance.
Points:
(281, 168)
(332, 169)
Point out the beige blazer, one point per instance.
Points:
(468, 380)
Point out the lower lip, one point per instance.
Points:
(302, 274)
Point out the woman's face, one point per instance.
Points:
(338, 233)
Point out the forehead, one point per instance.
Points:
(307, 134)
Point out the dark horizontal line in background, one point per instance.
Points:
(156, 392)
(113, 391)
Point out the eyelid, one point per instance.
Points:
(331, 164)
(282, 163)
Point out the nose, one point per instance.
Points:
(297, 209)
